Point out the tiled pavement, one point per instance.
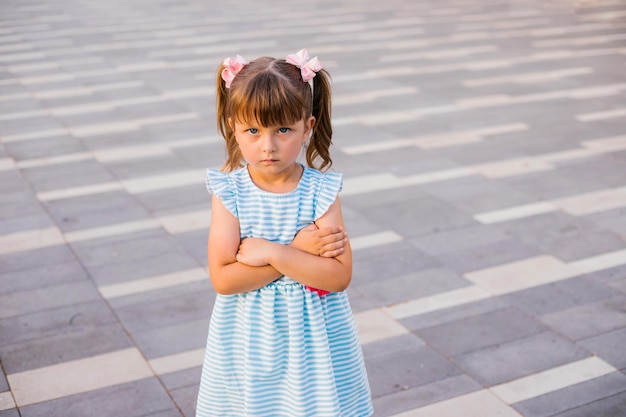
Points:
(484, 148)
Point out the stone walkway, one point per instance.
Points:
(484, 149)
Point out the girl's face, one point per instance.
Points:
(272, 150)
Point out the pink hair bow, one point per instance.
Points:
(308, 67)
(232, 66)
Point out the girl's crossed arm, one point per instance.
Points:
(330, 274)
(230, 276)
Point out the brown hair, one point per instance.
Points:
(271, 92)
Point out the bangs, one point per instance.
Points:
(269, 100)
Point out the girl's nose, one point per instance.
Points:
(268, 143)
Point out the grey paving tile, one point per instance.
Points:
(519, 358)
(182, 378)
(174, 198)
(104, 252)
(418, 216)
(589, 320)
(485, 256)
(29, 125)
(52, 296)
(10, 413)
(135, 399)
(459, 239)
(392, 261)
(74, 174)
(96, 210)
(404, 370)
(619, 285)
(609, 347)
(39, 148)
(4, 385)
(413, 285)
(149, 316)
(392, 345)
(452, 314)
(158, 295)
(573, 396)
(358, 301)
(36, 258)
(607, 407)
(420, 396)
(118, 139)
(63, 347)
(560, 295)
(477, 194)
(567, 237)
(479, 332)
(165, 164)
(39, 220)
(195, 244)
(31, 278)
(62, 320)
(186, 398)
(395, 196)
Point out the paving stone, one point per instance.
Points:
(609, 347)
(117, 139)
(72, 174)
(412, 286)
(45, 147)
(62, 320)
(36, 258)
(459, 239)
(567, 237)
(28, 222)
(418, 217)
(147, 244)
(404, 370)
(409, 399)
(559, 295)
(479, 332)
(476, 194)
(180, 379)
(589, 320)
(619, 285)
(10, 413)
(4, 385)
(174, 198)
(396, 196)
(52, 296)
(519, 358)
(157, 295)
(63, 347)
(574, 396)
(135, 269)
(400, 262)
(135, 399)
(144, 317)
(186, 398)
(453, 314)
(30, 279)
(607, 407)
(391, 346)
(485, 256)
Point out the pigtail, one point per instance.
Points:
(321, 138)
(233, 154)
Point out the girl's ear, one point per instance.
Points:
(230, 123)
(308, 125)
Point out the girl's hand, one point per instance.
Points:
(327, 242)
(254, 251)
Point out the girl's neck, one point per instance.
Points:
(277, 183)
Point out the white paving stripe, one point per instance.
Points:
(516, 212)
(601, 115)
(30, 239)
(153, 283)
(178, 361)
(78, 376)
(528, 78)
(552, 380)
(6, 401)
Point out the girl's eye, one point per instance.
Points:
(283, 130)
(253, 131)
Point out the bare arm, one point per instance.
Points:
(331, 274)
(229, 276)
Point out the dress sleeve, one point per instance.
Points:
(220, 184)
(332, 183)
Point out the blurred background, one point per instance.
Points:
(483, 146)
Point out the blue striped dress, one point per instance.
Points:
(281, 350)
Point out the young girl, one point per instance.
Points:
(282, 339)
